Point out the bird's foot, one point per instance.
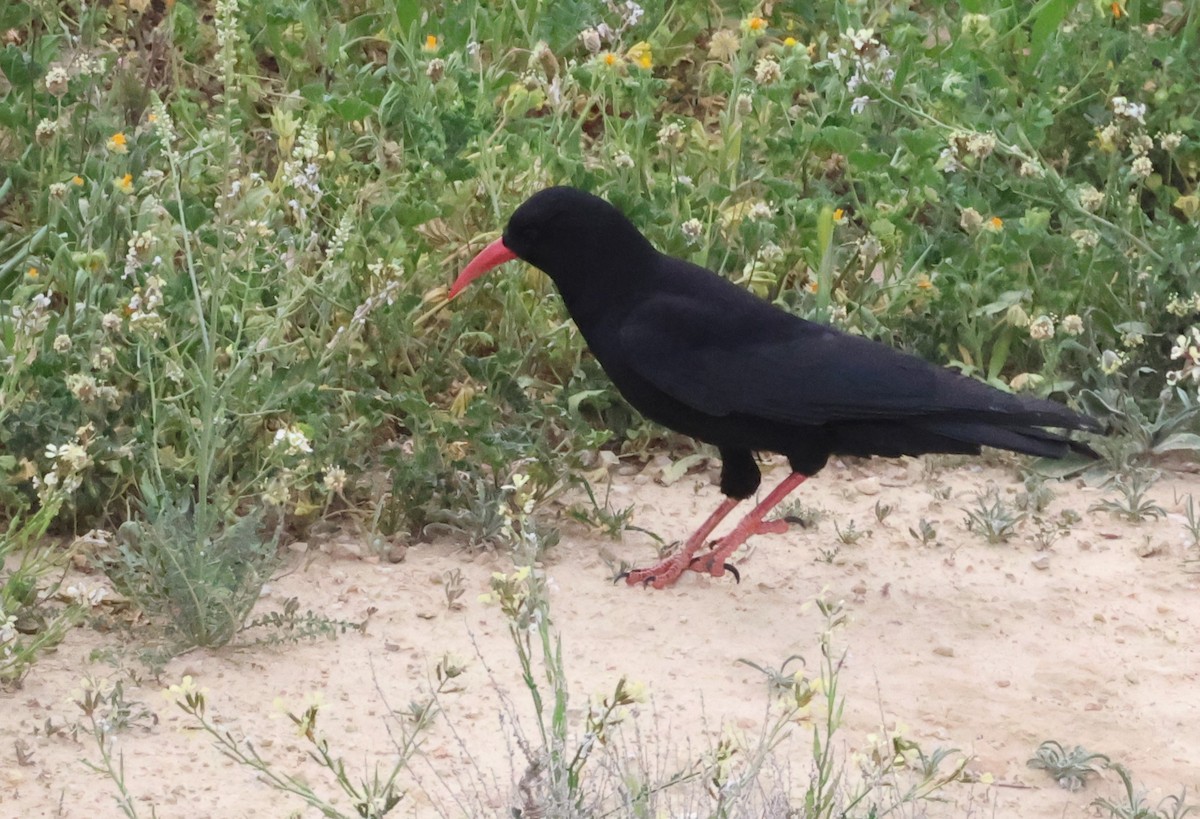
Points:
(713, 563)
(661, 574)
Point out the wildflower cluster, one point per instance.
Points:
(1186, 351)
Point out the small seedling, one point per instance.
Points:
(1036, 497)
(993, 518)
(850, 535)
(805, 516)
(452, 584)
(1132, 503)
(779, 680)
(1135, 806)
(1193, 520)
(1070, 769)
(941, 492)
(882, 511)
(925, 532)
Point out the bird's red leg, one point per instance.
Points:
(667, 572)
(714, 562)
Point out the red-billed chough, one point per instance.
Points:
(702, 356)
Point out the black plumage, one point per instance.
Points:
(702, 356)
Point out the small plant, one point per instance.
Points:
(1070, 769)
(779, 680)
(1135, 806)
(452, 585)
(1192, 520)
(801, 514)
(290, 626)
(993, 518)
(602, 517)
(1037, 495)
(1132, 503)
(199, 583)
(924, 532)
(850, 535)
(883, 511)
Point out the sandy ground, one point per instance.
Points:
(987, 648)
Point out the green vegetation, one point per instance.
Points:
(226, 232)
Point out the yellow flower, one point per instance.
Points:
(431, 43)
(756, 25)
(32, 273)
(116, 143)
(838, 215)
(124, 184)
(924, 282)
(77, 181)
(151, 117)
(789, 42)
(640, 55)
(995, 223)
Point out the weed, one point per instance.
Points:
(850, 535)
(290, 626)
(992, 517)
(883, 511)
(1070, 769)
(452, 585)
(924, 532)
(1135, 806)
(1132, 503)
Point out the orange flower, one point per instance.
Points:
(838, 215)
(124, 184)
(32, 273)
(431, 43)
(116, 143)
(609, 59)
(995, 223)
(924, 282)
(1117, 11)
(756, 25)
(77, 181)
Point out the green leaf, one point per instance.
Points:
(1046, 21)
(350, 109)
(1179, 441)
(680, 468)
(842, 140)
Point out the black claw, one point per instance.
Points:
(620, 577)
(737, 576)
(801, 522)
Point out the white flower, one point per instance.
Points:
(859, 104)
(1042, 328)
(335, 479)
(1072, 325)
(622, 159)
(1089, 198)
(1085, 239)
(693, 229)
(1171, 141)
(670, 135)
(1125, 109)
(759, 211)
(1111, 361)
(46, 129)
(292, 440)
(62, 344)
(8, 628)
(57, 80)
(1142, 167)
(767, 71)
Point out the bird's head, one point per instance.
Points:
(565, 232)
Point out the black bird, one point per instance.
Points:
(702, 356)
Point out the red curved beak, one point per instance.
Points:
(491, 256)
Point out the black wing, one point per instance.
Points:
(723, 354)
